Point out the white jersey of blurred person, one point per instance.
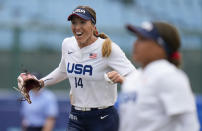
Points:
(159, 96)
(42, 113)
(86, 57)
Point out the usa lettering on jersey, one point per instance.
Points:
(79, 69)
(126, 97)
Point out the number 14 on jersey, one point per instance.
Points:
(78, 82)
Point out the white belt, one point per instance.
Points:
(88, 108)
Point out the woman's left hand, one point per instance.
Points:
(115, 77)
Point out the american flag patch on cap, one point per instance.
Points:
(93, 55)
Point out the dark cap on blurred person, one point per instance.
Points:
(82, 13)
(163, 33)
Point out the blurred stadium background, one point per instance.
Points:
(31, 33)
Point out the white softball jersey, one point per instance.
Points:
(85, 67)
(158, 98)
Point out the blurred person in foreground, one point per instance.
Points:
(159, 96)
(42, 113)
(94, 65)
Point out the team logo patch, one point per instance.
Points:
(93, 55)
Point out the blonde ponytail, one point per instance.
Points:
(106, 46)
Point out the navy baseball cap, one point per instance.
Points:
(82, 13)
(148, 30)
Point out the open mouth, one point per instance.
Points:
(79, 33)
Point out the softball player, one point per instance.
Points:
(159, 96)
(86, 57)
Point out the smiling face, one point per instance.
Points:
(83, 31)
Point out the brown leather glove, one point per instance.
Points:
(27, 82)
